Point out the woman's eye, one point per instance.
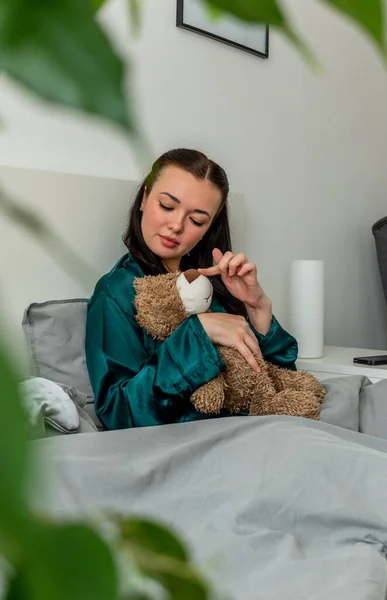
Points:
(196, 223)
(169, 208)
(165, 207)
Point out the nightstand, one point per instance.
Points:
(338, 361)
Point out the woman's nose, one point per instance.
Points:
(176, 225)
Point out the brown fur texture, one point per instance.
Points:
(159, 310)
(158, 304)
(210, 397)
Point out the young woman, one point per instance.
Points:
(179, 220)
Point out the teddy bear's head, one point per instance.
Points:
(162, 302)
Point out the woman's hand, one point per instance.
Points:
(232, 331)
(240, 278)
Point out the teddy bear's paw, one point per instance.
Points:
(301, 381)
(292, 403)
(236, 404)
(243, 383)
(307, 383)
(209, 398)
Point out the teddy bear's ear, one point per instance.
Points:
(159, 309)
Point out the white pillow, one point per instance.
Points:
(46, 401)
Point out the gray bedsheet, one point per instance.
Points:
(273, 507)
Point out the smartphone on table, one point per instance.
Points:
(374, 361)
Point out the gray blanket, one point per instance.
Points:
(273, 507)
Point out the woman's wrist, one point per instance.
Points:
(261, 317)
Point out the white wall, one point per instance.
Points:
(308, 151)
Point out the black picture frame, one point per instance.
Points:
(183, 25)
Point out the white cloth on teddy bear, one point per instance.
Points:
(197, 295)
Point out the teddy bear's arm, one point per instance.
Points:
(209, 398)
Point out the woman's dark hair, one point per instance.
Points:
(217, 236)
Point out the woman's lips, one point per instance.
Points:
(168, 242)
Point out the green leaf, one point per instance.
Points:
(23, 216)
(13, 453)
(154, 538)
(135, 13)
(59, 250)
(255, 11)
(162, 557)
(214, 13)
(69, 561)
(97, 4)
(304, 49)
(16, 587)
(179, 581)
(56, 49)
(369, 14)
(266, 12)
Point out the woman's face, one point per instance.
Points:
(177, 213)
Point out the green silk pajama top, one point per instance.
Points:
(138, 381)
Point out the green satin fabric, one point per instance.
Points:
(139, 381)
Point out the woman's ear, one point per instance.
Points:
(144, 198)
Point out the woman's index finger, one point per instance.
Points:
(215, 270)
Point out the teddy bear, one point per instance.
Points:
(162, 302)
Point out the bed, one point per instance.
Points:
(273, 507)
